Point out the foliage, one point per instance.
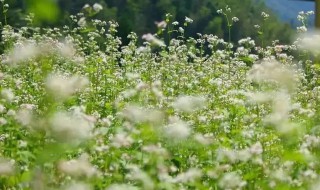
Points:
(81, 110)
(139, 16)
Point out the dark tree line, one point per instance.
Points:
(140, 15)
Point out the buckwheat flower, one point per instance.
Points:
(86, 6)
(29, 107)
(97, 7)
(138, 114)
(68, 128)
(156, 90)
(257, 26)
(66, 49)
(82, 22)
(22, 144)
(220, 11)
(265, 15)
(129, 93)
(6, 167)
(155, 149)
(63, 86)
(122, 187)
(153, 40)
(121, 139)
(7, 94)
(106, 122)
(280, 109)
(225, 154)
(137, 174)
(3, 121)
(202, 139)
(2, 108)
(310, 42)
(188, 20)
(175, 23)
(132, 76)
(161, 24)
(24, 117)
(302, 29)
(177, 129)
(256, 149)
(243, 155)
(231, 180)
(22, 52)
(315, 185)
(189, 103)
(273, 71)
(78, 167)
(310, 174)
(2, 75)
(141, 86)
(189, 176)
(78, 186)
(235, 19)
(11, 112)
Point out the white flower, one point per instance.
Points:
(22, 52)
(181, 30)
(235, 19)
(310, 42)
(2, 108)
(121, 187)
(175, 23)
(189, 103)
(66, 49)
(153, 40)
(189, 176)
(220, 11)
(256, 149)
(162, 24)
(188, 20)
(3, 121)
(265, 15)
(82, 22)
(97, 7)
(7, 94)
(78, 167)
(273, 71)
(136, 174)
(86, 6)
(178, 129)
(69, 128)
(11, 112)
(138, 114)
(121, 140)
(24, 117)
(202, 139)
(6, 167)
(78, 186)
(231, 181)
(302, 29)
(63, 86)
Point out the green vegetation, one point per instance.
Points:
(139, 16)
(81, 110)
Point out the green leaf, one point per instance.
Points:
(44, 10)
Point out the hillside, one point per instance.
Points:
(139, 16)
(287, 10)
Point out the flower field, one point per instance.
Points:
(79, 110)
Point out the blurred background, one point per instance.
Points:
(140, 15)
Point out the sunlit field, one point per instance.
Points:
(80, 110)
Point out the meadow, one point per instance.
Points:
(79, 110)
